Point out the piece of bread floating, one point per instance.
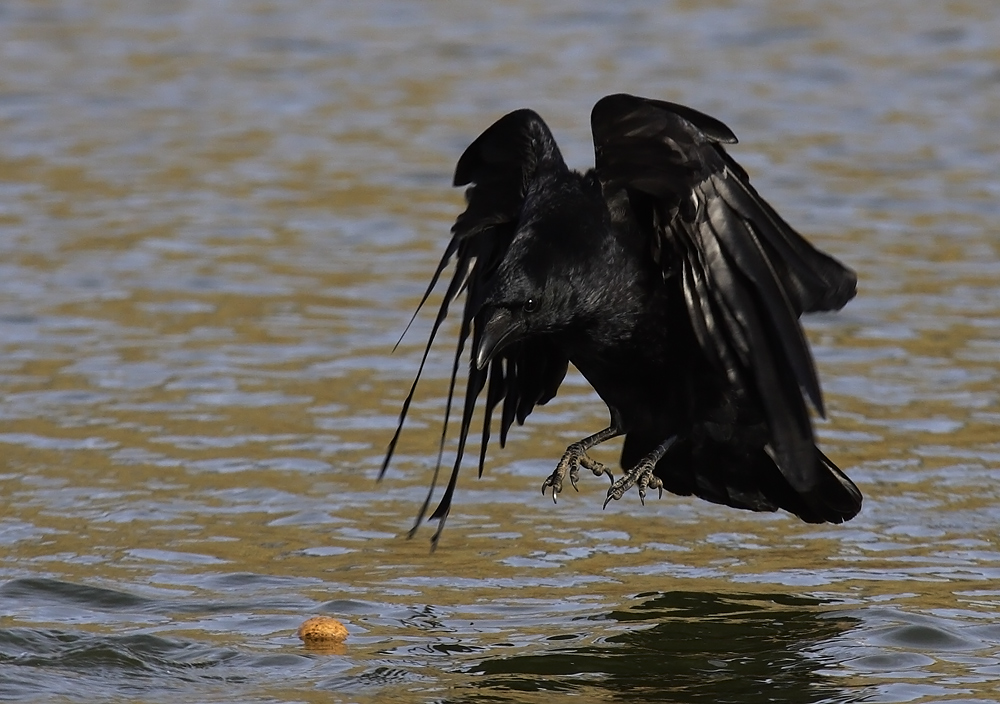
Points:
(322, 630)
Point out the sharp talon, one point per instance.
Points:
(641, 476)
(655, 483)
(615, 492)
(569, 466)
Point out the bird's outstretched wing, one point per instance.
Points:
(746, 275)
(499, 167)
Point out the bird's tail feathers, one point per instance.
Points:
(752, 481)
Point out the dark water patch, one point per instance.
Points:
(687, 646)
(210, 595)
(82, 666)
(37, 591)
(891, 662)
(926, 633)
(924, 637)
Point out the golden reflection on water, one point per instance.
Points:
(216, 222)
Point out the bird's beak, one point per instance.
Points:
(500, 330)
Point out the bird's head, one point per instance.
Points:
(516, 309)
(544, 283)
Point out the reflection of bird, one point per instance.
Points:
(757, 648)
(670, 284)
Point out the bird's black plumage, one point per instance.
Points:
(672, 286)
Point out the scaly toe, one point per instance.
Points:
(574, 476)
(618, 489)
(554, 481)
(656, 483)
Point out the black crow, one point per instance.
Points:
(669, 283)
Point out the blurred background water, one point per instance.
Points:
(216, 218)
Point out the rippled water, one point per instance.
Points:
(216, 219)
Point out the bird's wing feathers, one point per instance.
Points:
(663, 149)
(499, 167)
(746, 275)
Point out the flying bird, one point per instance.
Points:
(669, 283)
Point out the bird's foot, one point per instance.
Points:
(642, 476)
(574, 458)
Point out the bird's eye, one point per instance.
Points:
(530, 305)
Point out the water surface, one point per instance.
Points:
(215, 221)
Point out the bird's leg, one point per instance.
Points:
(575, 457)
(641, 475)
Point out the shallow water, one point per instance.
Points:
(216, 219)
